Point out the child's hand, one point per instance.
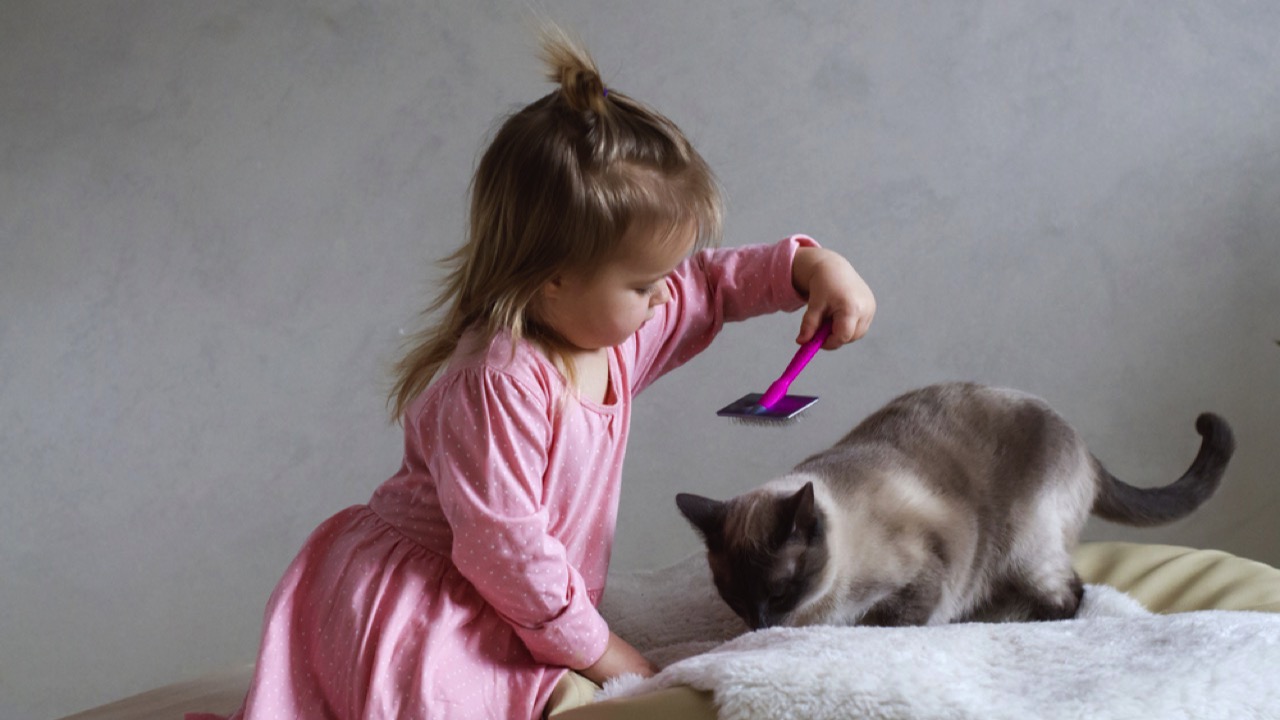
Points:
(834, 290)
(619, 658)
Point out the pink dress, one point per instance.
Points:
(469, 582)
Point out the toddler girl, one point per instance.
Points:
(467, 586)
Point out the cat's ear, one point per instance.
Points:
(803, 514)
(706, 516)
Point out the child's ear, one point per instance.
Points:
(551, 288)
(706, 515)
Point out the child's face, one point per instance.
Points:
(608, 306)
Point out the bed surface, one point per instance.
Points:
(1164, 578)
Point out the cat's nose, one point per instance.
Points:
(760, 618)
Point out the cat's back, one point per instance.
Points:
(949, 405)
(949, 432)
(951, 412)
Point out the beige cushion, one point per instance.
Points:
(1164, 578)
(1170, 579)
(216, 693)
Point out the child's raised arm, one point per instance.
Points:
(730, 284)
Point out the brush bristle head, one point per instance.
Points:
(748, 409)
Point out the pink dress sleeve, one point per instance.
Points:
(709, 289)
(489, 478)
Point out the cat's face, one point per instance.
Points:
(767, 550)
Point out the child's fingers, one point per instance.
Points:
(813, 316)
(844, 328)
(847, 325)
(863, 309)
(861, 324)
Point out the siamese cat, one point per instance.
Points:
(953, 503)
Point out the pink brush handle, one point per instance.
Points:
(802, 358)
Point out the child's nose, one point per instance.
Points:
(662, 296)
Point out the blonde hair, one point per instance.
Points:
(560, 185)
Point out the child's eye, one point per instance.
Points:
(648, 289)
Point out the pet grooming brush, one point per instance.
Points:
(775, 405)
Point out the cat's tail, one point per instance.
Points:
(1131, 505)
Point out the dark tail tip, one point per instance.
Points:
(1218, 446)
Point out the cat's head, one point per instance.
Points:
(767, 549)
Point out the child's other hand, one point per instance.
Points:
(619, 658)
(834, 290)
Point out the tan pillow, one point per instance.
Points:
(1170, 579)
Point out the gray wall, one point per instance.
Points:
(216, 220)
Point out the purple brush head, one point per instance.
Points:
(749, 409)
(775, 405)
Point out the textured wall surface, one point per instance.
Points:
(217, 219)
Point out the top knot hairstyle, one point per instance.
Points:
(567, 184)
(570, 67)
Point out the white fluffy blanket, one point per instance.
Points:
(1115, 660)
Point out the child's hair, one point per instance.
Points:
(562, 183)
